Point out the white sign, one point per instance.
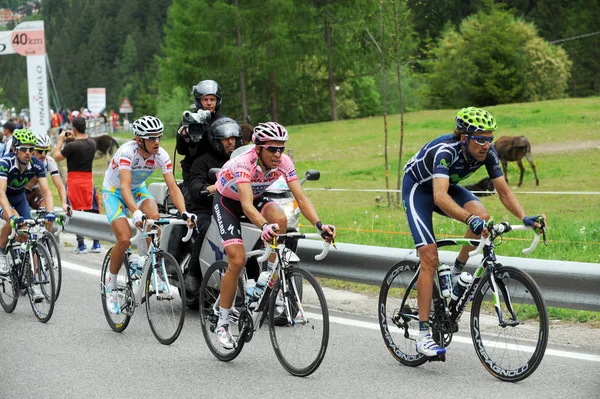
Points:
(96, 99)
(125, 107)
(6, 43)
(39, 110)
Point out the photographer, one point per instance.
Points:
(224, 136)
(191, 137)
(79, 152)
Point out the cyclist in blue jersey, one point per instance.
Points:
(430, 184)
(16, 170)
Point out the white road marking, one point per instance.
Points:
(375, 326)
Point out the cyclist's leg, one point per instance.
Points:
(419, 205)
(4, 233)
(227, 213)
(274, 214)
(468, 201)
(117, 218)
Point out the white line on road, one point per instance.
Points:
(375, 326)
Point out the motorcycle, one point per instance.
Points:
(212, 250)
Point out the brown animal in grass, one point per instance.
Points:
(247, 130)
(513, 149)
(482, 185)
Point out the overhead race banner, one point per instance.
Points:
(28, 40)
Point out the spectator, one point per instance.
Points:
(8, 129)
(79, 152)
(114, 121)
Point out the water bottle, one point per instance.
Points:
(445, 277)
(461, 285)
(135, 271)
(262, 281)
(250, 286)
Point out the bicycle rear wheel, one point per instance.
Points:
(41, 276)
(9, 285)
(53, 250)
(165, 298)
(210, 292)
(301, 344)
(399, 313)
(513, 351)
(118, 322)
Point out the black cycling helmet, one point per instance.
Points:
(205, 88)
(223, 128)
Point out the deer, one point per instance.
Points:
(513, 149)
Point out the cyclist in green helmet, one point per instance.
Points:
(16, 170)
(430, 184)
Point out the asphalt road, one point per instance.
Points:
(77, 355)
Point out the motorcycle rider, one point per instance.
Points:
(224, 136)
(239, 190)
(190, 142)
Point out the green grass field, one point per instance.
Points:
(350, 155)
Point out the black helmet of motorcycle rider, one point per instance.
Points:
(224, 128)
(206, 88)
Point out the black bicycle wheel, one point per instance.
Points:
(9, 285)
(41, 278)
(210, 292)
(165, 298)
(300, 346)
(52, 246)
(118, 322)
(398, 313)
(512, 351)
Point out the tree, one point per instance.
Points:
(491, 60)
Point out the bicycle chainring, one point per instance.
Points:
(246, 326)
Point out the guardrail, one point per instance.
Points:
(574, 285)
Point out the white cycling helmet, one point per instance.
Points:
(43, 141)
(147, 125)
(269, 131)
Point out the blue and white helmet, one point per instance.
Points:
(147, 125)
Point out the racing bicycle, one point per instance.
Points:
(292, 295)
(508, 316)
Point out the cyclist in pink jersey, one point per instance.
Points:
(240, 185)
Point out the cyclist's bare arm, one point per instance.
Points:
(175, 192)
(508, 199)
(62, 192)
(3, 198)
(306, 207)
(47, 193)
(125, 186)
(247, 201)
(445, 202)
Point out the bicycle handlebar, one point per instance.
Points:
(28, 223)
(501, 228)
(269, 250)
(152, 222)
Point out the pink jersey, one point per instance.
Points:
(244, 169)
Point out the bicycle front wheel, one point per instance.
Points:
(398, 313)
(210, 293)
(9, 285)
(165, 298)
(118, 322)
(510, 351)
(40, 283)
(301, 344)
(52, 246)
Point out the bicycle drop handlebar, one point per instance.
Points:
(151, 222)
(266, 252)
(502, 228)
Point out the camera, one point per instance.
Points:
(196, 123)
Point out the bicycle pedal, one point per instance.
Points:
(440, 358)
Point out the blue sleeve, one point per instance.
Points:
(4, 167)
(40, 170)
(492, 164)
(441, 163)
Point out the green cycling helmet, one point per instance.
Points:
(472, 120)
(23, 136)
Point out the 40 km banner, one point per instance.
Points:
(27, 39)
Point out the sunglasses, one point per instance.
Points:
(481, 140)
(41, 151)
(153, 138)
(273, 149)
(25, 149)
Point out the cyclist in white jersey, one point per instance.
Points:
(33, 193)
(124, 188)
(240, 185)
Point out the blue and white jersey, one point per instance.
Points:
(15, 180)
(444, 157)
